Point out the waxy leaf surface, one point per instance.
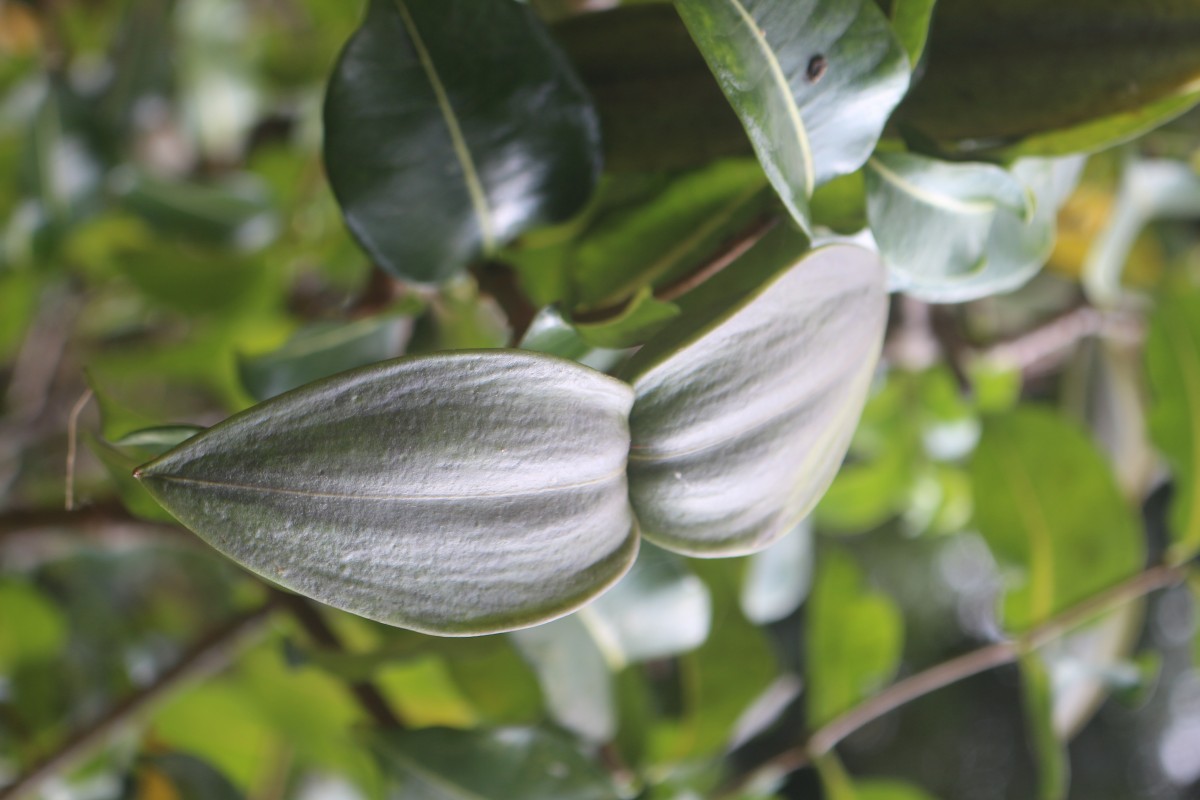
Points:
(456, 494)
(742, 419)
(813, 82)
(450, 127)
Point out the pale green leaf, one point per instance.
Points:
(443, 493)
(746, 404)
(778, 579)
(813, 82)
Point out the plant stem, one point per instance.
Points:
(939, 676)
(211, 653)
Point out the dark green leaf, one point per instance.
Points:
(1042, 491)
(813, 82)
(855, 638)
(187, 778)
(444, 493)
(1173, 364)
(746, 405)
(1064, 64)
(321, 350)
(660, 108)
(642, 317)
(443, 764)
(450, 127)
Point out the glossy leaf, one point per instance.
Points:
(855, 638)
(746, 405)
(957, 232)
(444, 493)
(1063, 65)
(1042, 490)
(778, 579)
(321, 350)
(642, 317)
(443, 764)
(450, 127)
(813, 82)
(552, 334)
(1173, 364)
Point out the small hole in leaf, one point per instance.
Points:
(817, 66)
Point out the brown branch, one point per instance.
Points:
(726, 256)
(369, 697)
(208, 655)
(939, 676)
(1042, 350)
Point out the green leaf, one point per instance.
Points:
(1064, 65)
(188, 777)
(1173, 365)
(746, 404)
(855, 638)
(884, 789)
(910, 21)
(813, 82)
(33, 627)
(1042, 490)
(445, 493)
(659, 106)
(953, 232)
(1049, 750)
(443, 764)
(551, 333)
(322, 349)
(642, 318)
(778, 579)
(451, 126)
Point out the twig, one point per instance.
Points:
(368, 695)
(956, 669)
(206, 656)
(73, 446)
(1041, 350)
(730, 253)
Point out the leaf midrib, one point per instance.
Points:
(470, 173)
(386, 498)
(944, 202)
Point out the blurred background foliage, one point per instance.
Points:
(170, 244)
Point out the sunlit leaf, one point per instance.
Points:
(813, 82)
(1042, 491)
(443, 764)
(746, 404)
(1173, 364)
(441, 493)
(855, 638)
(450, 127)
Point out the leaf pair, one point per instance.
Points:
(479, 491)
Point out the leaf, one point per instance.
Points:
(551, 333)
(745, 405)
(1042, 491)
(778, 579)
(321, 350)
(1048, 749)
(186, 778)
(883, 789)
(444, 493)
(659, 106)
(956, 232)
(813, 82)
(855, 638)
(451, 126)
(1150, 189)
(444, 764)
(910, 21)
(1173, 366)
(34, 628)
(642, 317)
(1064, 65)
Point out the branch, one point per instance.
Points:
(956, 669)
(205, 657)
(367, 694)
